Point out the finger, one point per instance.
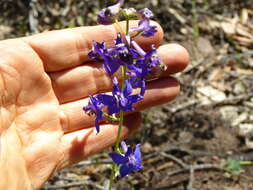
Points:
(175, 57)
(83, 143)
(67, 48)
(88, 79)
(158, 92)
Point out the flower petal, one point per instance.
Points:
(137, 155)
(97, 125)
(124, 170)
(128, 88)
(118, 158)
(129, 152)
(124, 146)
(106, 99)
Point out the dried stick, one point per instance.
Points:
(197, 167)
(191, 178)
(175, 159)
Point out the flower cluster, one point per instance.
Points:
(138, 64)
(129, 161)
(135, 65)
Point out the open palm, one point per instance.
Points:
(45, 81)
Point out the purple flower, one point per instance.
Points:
(151, 57)
(146, 13)
(121, 52)
(138, 82)
(145, 63)
(109, 14)
(145, 27)
(95, 107)
(120, 99)
(110, 64)
(101, 53)
(140, 68)
(129, 161)
(98, 50)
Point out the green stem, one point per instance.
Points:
(112, 177)
(110, 118)
(195, 20)
(137, 34)
(121, 114)
(121, 120)
(246, 162)
(127, 26)
(119, 132)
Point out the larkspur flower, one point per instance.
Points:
(101, 53)
(121, 99)
(94, 107)
(145, 27)
(110, 64)
(143, 66)
(129, 161)
(151, 57)
(146, 13)
(121, 52)
(98, 50)
(109, 14)
(138, 82)
(118, 55)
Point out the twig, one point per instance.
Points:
(191, 179)
(196, 167)
(195, 152)
(232, 100)
(185, 166)
(225, 59)
(77, 184)
(228, 101)
(248, 156)
(175, 159)
(185, 150)
(191, 67)
(236, 156)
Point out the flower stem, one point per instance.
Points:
(112, 176)
(119, 132)
(121, 116)
(127, 26)
(246, 162)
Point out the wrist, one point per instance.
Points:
(13, 172)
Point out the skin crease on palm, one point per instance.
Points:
(45, 81)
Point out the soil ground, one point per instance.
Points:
(204, 139)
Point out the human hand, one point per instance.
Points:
(45, 81)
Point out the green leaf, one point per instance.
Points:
(234, 166)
